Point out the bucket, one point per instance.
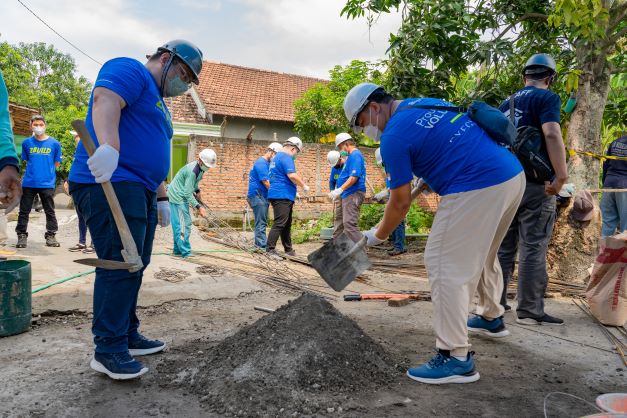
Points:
(615, 403)
(15, 297)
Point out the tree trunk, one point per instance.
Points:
(574, 245)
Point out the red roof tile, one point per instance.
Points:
(244, 92)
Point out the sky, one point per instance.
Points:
(306, 37)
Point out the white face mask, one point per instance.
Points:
(39, 130)
(372, 131)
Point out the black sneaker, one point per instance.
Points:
(118, 366)
(291, 253)
(273, 255)
(396, 252)
(51, 241)
(21, 241)
(543, 320)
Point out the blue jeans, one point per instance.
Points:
(115, 322)
(259, 205)
(181, 244)
(82, 228)
(614, 213)
(398, 236)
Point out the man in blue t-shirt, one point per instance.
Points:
(481, 184)
(258, 184)
(42, 154)
(614, 204)
(132, 128)
(532, 227)
(281, 194)
(350, 189)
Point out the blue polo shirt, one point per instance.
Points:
(450, 152)
(355, 166)
(281, 187)
(258, 173)
(40, 157)
(145, 127)
(335, 174)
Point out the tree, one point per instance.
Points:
(441, 40)
(319, 112)
(39, 76)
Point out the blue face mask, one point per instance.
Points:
(175, 87)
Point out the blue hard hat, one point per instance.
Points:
(187, 52)
(539, 63)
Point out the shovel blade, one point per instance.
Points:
(340, 261)
(106, 264)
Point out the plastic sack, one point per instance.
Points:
(607, 289)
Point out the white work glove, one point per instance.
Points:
(103, 163)
(381, 196)
(163, 213)
(372, 239)
(306, 189)
(335, 193)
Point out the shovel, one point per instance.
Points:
(340, 261)
(132, 261)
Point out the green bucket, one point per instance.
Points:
(15, 297)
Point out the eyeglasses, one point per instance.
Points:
(184, 73)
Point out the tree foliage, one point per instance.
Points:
(39, 76)
(320, 112)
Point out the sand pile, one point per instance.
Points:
(305, 358)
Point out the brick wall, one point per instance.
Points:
(224, 188)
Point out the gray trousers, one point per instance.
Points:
(347, 216)
(529, 236)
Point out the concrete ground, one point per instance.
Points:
(45, 372)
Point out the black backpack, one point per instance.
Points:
(531, 151)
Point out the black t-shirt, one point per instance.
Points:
(533, 107)
(615, 171)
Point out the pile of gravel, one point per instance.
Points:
(305, 358)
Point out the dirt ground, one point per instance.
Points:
(45, 372)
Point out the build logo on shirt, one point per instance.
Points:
(163, 110)
(40, 150)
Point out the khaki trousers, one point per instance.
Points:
(347, 216)
(461, 258)
(3, 228)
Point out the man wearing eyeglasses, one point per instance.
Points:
(129, 121)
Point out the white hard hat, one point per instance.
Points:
(356, 99)
(333, 157)
(275, 146)
(208, 157)
(295, 141)
(342, 137)
(377, 156)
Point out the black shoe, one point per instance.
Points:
(395, 252)
(543, 320)
(51, 241)
(291, 253)
(21, 241)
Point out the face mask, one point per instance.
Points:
(175, 87)
(203, 167)
(39, 131)
(343, 154)
(372, 131)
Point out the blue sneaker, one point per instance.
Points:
(495, 328)
(118, 366)
(445, 369)
(143, 346)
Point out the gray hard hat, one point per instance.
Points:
(539, 63)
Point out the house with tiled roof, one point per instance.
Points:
(237, 103)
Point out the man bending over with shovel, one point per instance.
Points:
(129, 120)
(481, 184)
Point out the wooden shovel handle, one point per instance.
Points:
(120, 221)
